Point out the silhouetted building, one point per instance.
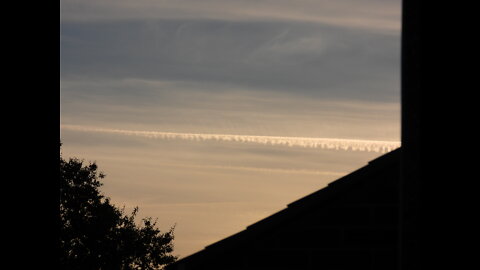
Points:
(350, 224)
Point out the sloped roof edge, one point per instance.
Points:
(332, 190)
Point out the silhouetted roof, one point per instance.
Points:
(333, 190)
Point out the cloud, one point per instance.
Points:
(323, 143)
(371, 14)
(315, 60)
(187, 107)
(256, 169)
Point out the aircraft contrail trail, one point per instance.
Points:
(323, 143)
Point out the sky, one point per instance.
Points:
(211, 115)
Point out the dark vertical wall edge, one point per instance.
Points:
(411, 130)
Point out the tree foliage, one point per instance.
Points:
(95, 234)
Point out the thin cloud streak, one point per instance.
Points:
(368, 14)
(323, 143)
(256, 169)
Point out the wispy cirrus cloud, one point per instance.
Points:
(256, 169)
(265, 56)
(366, 14)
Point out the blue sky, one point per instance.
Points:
(316, 69)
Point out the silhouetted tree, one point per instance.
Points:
(95, 234)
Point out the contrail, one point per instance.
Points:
(323, 143)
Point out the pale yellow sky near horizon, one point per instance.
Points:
(209, 189)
